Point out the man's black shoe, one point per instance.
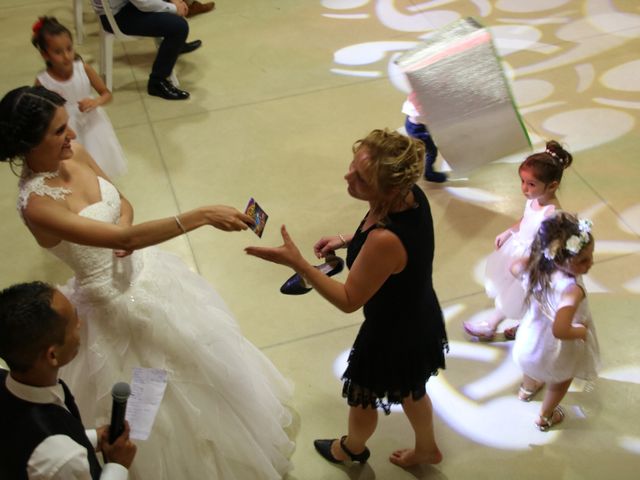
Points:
(189, 47)
(165, 89)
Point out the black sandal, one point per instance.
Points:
(324, 448)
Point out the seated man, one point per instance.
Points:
(42, 434)
(155, 18)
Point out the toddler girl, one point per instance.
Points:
(540, 177)
(556, 340)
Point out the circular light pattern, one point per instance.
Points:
(624, 77)
(589, 127)
(472, 409)
(370, 52)
(530, 91)
(343, 4)
(529, 6)
(473, 194)
(513, 38)
(618, 24)
(391, 17)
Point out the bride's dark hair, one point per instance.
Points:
(25, 115)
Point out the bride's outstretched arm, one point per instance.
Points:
(48, 218)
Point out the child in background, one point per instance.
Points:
(556, 340)
(67, 75)
(540, 177)
(416, 128)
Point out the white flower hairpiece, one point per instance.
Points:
(553, 154)
(574, 243)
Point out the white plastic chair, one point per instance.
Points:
(106, 47)
(77, 15)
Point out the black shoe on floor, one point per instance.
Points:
(165, 89)
(437, 177)
(189, 47)
(323, 447)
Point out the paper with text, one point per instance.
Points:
(147, 390)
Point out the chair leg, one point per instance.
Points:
(106, 58)
(77, 15)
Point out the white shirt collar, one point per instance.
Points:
(53, 394)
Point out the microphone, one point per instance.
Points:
(120, 393)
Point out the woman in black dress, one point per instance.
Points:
(402, 340)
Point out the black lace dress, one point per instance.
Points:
(402, 340)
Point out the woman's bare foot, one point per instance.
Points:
(407, 457)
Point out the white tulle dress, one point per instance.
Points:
(223, 414)
(500, 283)
(547, 359)
(93, 128)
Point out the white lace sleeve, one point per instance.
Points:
(35, 184)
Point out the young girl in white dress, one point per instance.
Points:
(72, 79)
(556, 340)
(540, 177)
(223, 414)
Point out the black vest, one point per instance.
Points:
(24, 425)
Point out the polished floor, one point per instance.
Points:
(280, 90)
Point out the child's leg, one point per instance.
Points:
(420, 415)
(421, 132)
(554, 395)
(529, 388)
(485, 329)
(362, 424)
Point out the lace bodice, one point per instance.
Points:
(99, 274)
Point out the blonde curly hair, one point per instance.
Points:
(396, 163)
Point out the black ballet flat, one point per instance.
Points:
(324, 448)
(296, 285)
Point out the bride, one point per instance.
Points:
(222, 415)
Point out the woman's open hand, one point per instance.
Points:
(286, 254)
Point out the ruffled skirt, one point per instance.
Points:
(222, 415)
(98, 137)
(501, 284)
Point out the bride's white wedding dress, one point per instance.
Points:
(222, 415)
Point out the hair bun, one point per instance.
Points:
(558, 153)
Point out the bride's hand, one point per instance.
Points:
(286, 254)
(227, 218)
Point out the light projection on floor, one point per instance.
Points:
(559, 37)
(589, 109)
(486, 410)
